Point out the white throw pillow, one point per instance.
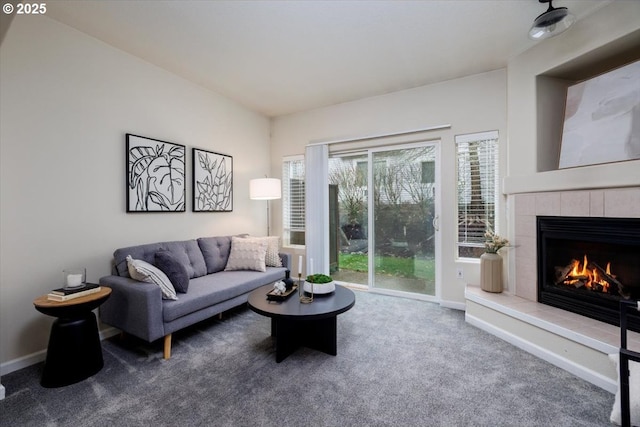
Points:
(247, 254)
(142, 271)
(634, 393)
(272, 258)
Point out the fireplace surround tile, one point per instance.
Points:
(525, 204)
(622, 203)
(525, 226)
(525, 247)
(527, 277)
(574, 203)
(548, 203)
(596, 200)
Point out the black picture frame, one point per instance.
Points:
(155, 175)
(212, 181)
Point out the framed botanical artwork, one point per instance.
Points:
(155, 175)
(212, 181)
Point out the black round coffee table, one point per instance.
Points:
(294, 324)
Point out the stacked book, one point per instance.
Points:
(65, 294)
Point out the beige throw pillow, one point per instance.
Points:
(142, 271)
(247, 254)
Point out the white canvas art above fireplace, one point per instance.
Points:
(602, 119)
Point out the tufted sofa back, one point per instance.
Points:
(187, 252)
(215, 251)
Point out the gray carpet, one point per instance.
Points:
(400, 362)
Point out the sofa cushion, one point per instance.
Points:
(174, 269)
(142, 271)
(247, 254)
(215, 251)
(215, 288)
(187, 252)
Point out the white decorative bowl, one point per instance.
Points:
(320, 288)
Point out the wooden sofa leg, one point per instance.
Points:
(167, 347)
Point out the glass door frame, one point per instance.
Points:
(436, 143)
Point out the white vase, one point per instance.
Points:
(491, 272)
(320, 288)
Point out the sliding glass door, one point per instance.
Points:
(387, 220)
(349, 222)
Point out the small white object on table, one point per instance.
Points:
(279, 287)
(74, 280)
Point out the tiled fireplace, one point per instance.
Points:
(574, 342)
(613, 203)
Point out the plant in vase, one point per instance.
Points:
(491, 262)
(319, 284)
(493, 243)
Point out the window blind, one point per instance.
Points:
(293, 201)
(477, 158)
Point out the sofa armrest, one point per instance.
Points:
(133, 307)
(286, 260)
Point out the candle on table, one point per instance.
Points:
(74, 280)
(300, 264)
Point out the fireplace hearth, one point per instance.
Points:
(586, 265)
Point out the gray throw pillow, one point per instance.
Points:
(174, 269)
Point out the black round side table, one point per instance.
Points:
(74, 352)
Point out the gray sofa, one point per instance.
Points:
(137, 308)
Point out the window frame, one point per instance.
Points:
(287, 227)
(488, 174)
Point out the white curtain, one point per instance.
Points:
(317, 208)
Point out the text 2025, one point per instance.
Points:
(31, 8)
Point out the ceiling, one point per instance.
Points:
(282, 57)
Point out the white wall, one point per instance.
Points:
(67, 101)
(615, 25)
(471, 104)
(609, 24)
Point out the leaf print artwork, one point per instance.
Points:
(155, 175)
(212, 182)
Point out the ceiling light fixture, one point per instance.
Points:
(551, 23)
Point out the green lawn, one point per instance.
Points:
(420, 267)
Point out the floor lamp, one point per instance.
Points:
(265, 189)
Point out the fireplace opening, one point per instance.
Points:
(587, 265)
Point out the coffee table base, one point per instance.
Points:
(320, 334)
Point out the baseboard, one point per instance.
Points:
(546, 355)
(22, 362)
(453, 304)
(108, 333)
(39, 356)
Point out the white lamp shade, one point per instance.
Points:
(265, 189)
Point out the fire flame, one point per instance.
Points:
(581, 272)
